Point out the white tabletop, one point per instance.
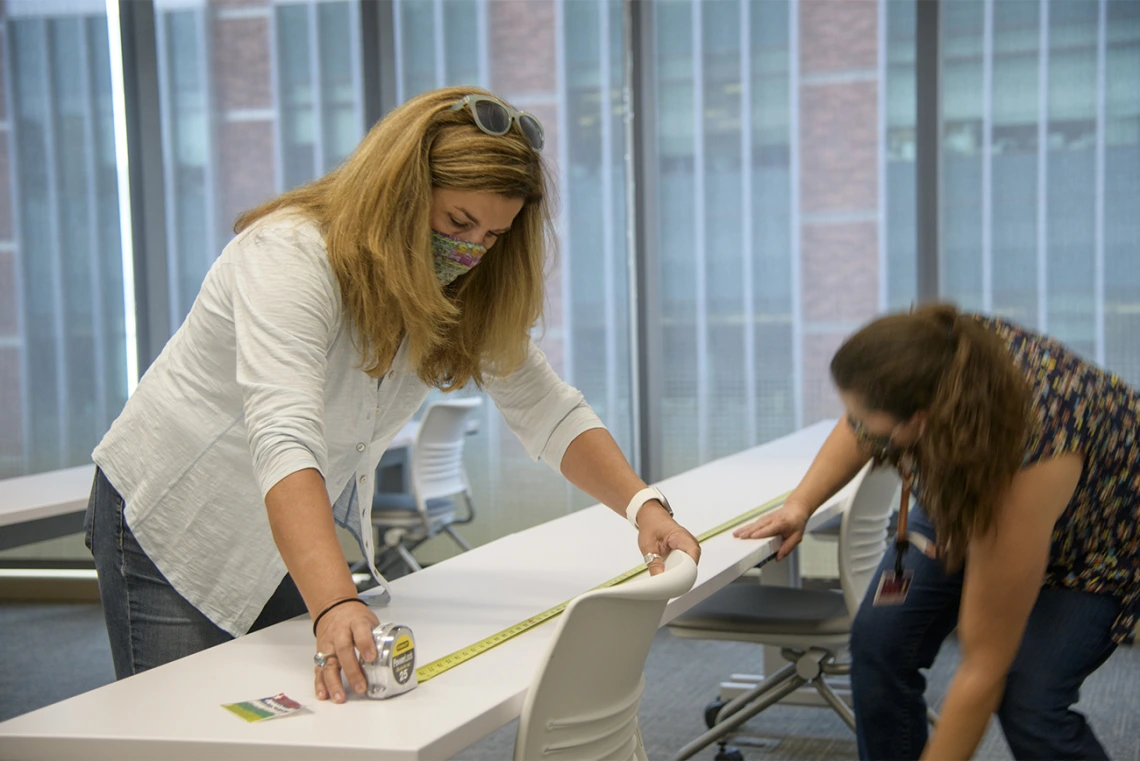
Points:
(173, 712)
(59, 492)
(45, 495)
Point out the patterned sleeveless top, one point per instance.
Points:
(1079, 407)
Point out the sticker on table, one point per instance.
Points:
(264, 708)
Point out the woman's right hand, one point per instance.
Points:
(788, 522)
(344, 630)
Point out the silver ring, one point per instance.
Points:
(651, 556)
(320, 659)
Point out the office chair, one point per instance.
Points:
(811, 627)
(584, 702)
(404, 520)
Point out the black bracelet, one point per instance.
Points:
(326, 610)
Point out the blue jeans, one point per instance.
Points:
(1067, 638)
(148, 622)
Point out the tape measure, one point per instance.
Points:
(448, 662)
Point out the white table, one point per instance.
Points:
(173, 712)
(43, 506)
(48, 505)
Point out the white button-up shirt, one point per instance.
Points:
(262, 380)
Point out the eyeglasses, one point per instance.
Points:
(882, 446)
(862, 434)
(495, 117)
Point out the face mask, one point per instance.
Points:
(882, 447)
(453, 257)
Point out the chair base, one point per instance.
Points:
(806, 696)
(806, 667)
(396, 543)
(806, 677)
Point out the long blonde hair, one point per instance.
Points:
(950, 365)
(374, 212)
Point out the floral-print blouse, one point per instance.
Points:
(1079, 407)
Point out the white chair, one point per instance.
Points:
(404, 520)
(584, 702)
(811, 627)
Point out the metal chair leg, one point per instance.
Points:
(408, 558)
(836, 702)
(774, 696)
(458, 539)
(769, 683)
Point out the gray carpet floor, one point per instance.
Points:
(51, 652)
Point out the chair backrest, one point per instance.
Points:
(584, 701)
(437, 456)
(863, 531)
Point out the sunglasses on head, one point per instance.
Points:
(495, 118)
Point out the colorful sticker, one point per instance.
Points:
(264, 708)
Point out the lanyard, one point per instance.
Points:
(902, 542)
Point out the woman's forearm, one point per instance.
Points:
(595, 464)
(301, 519)
(973, 697)
(838, 461)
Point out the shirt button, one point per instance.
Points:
(360, 447)
(363, 479)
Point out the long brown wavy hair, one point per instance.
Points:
(950, 365)
(374, 213)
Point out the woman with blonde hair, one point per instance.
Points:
(416, 264)
(1025, 460)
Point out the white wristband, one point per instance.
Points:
(639, 499)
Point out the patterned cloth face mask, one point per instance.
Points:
(882, 447)
(453, 257)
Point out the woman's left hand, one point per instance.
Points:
(659, 534)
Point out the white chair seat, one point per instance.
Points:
(395, 503)
(398, 510)
(756, 609)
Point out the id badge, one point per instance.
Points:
(892, 589)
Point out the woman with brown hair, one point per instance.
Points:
(1024, 460)
(416, 264)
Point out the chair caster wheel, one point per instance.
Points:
(711, 710)
(729, 754)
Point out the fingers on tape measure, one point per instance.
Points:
(459, 657)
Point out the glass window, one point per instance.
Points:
(1121, 189)
(563, 62)
(63, 343)
(1011, 215)
(317, 43)
(256, 98)
(898, 154)
(774, 241)
(1041, 136)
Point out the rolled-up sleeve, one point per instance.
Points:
(285, 312)
(543, 411)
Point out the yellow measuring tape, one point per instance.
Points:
(448, 662)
